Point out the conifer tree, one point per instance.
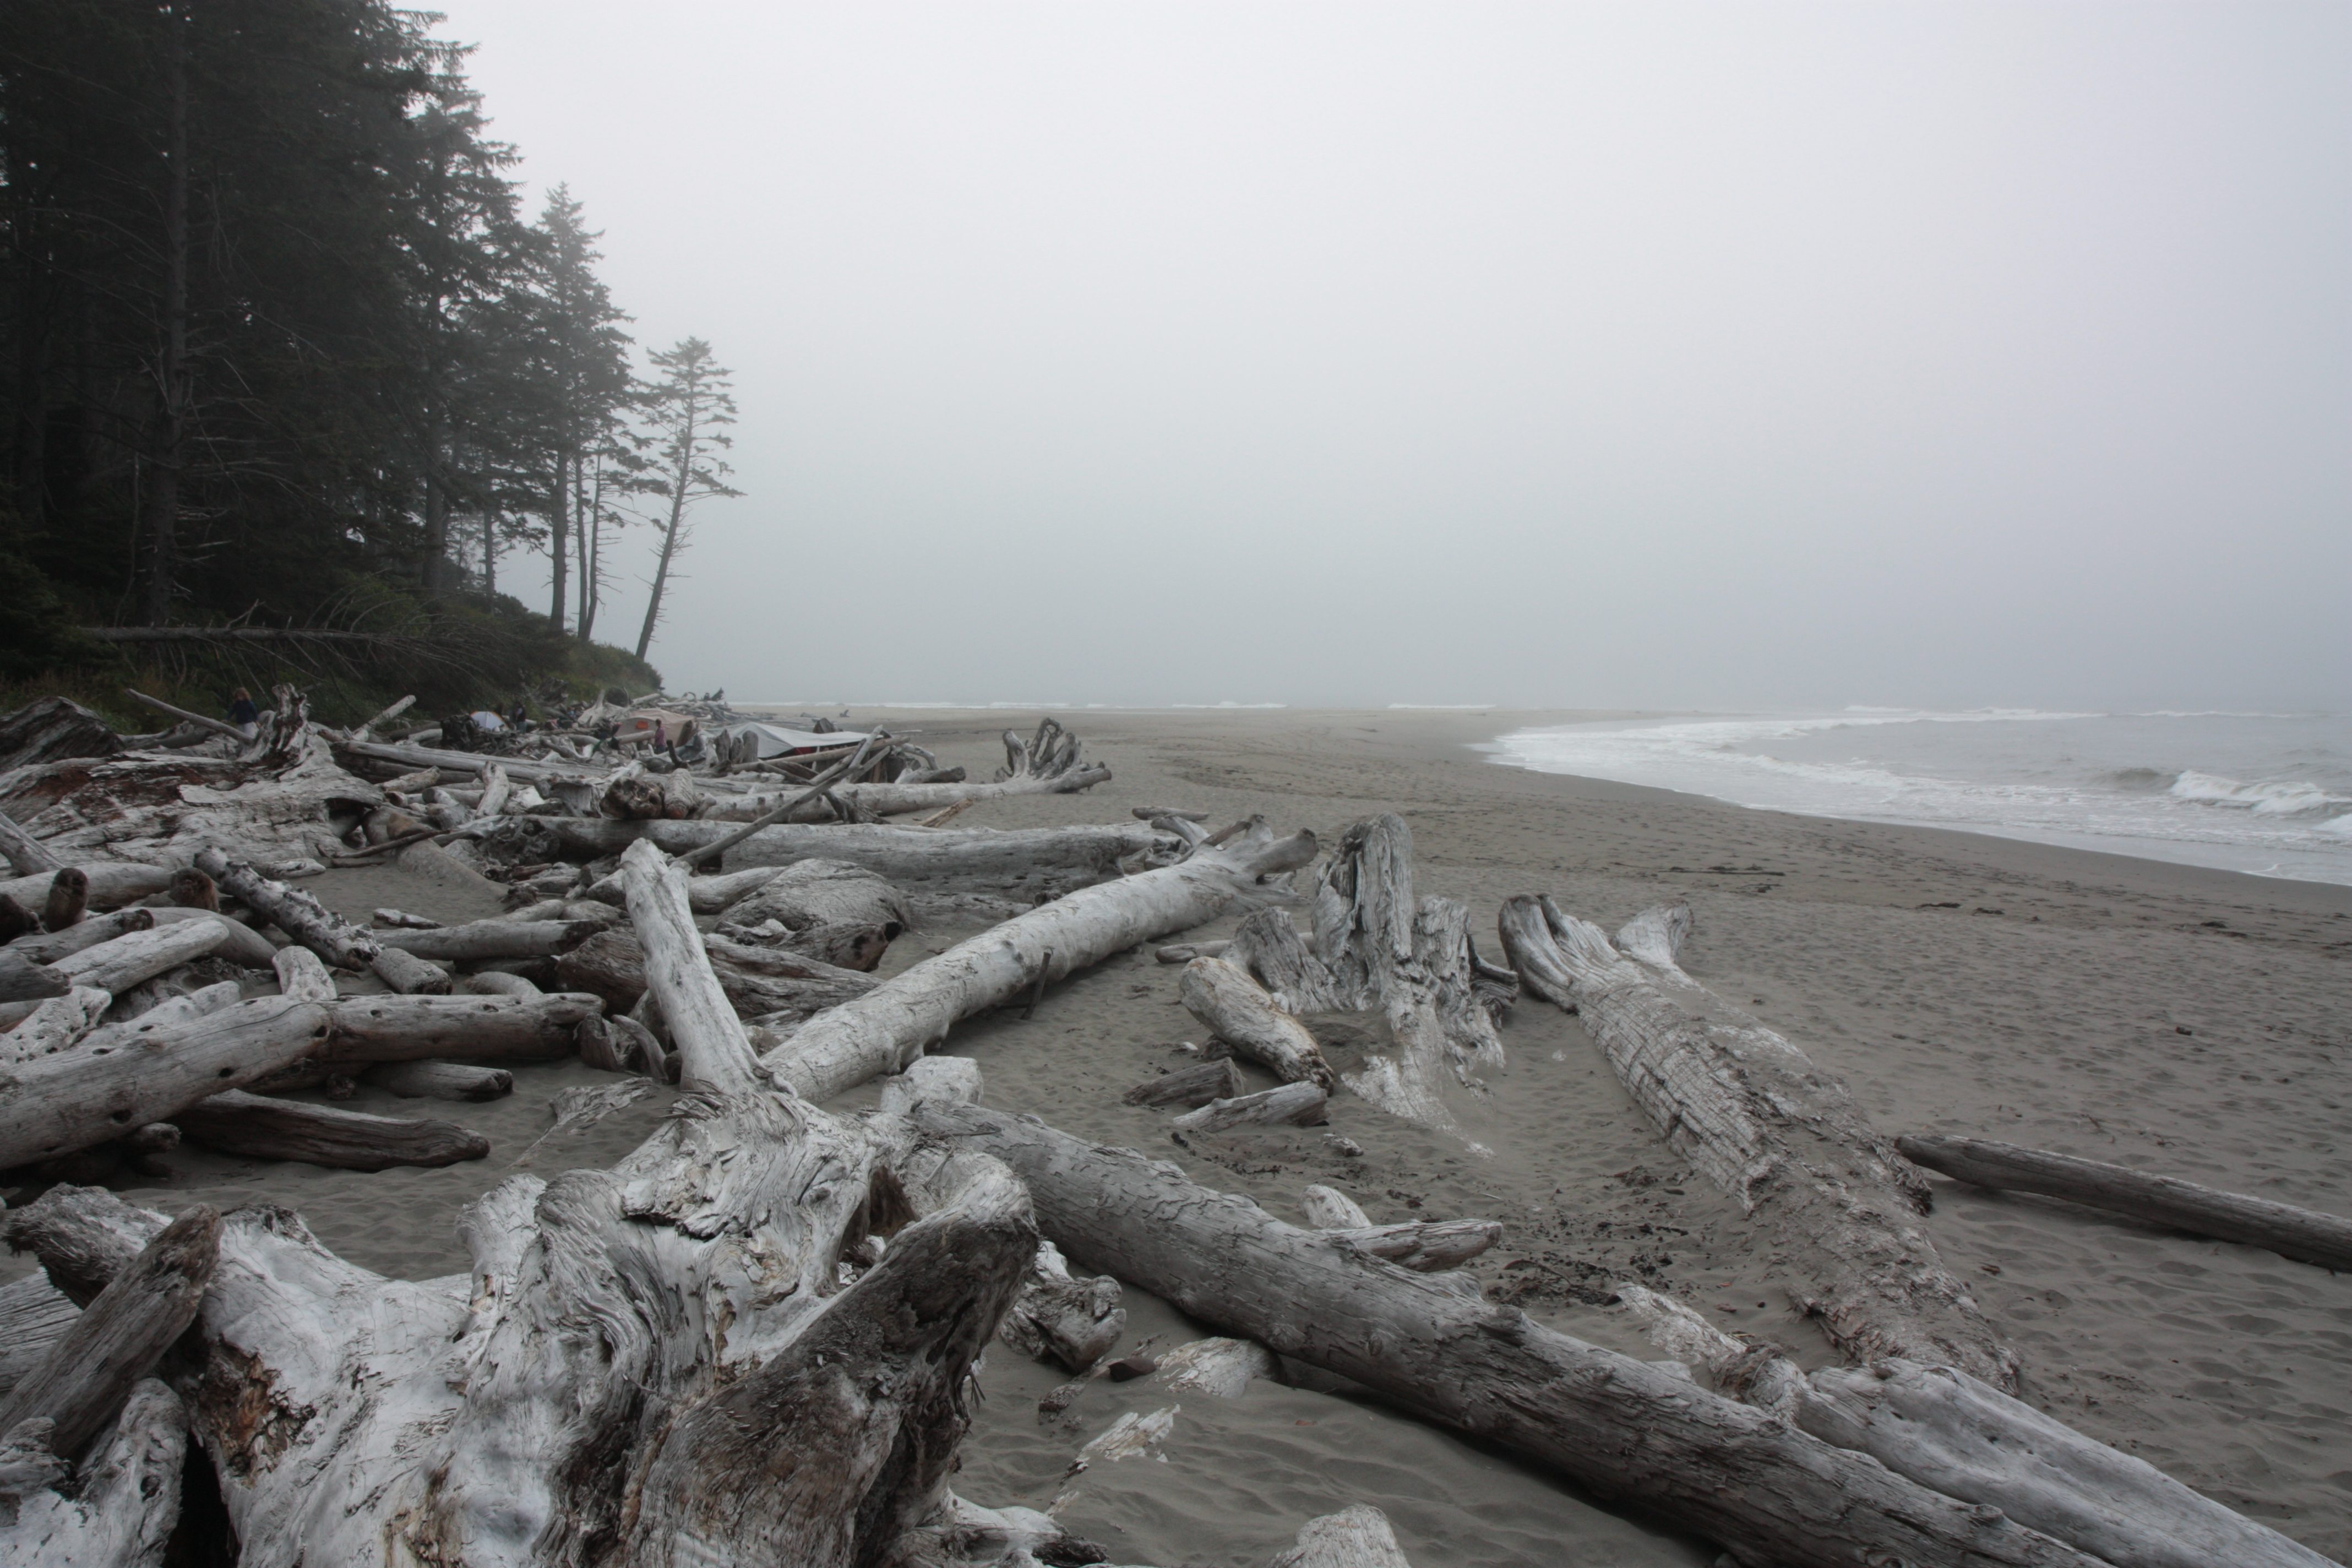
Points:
(689, 409)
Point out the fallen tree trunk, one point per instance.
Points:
(1621, 1428)
(463, 1029)
(761, 983)
(1423, 1246)
(900, 799)
(127, 1074)
(1296, 1104)
(894, 1023)
(111, 884)
(1236, 1009)
(26, 855)
(47, 947)
(1952, 1434)
(21, 980)
(898, 853)
(1781, 1136)
(704, 895)
(409, 974)
(480, 939)
(1190, 1086)
(293, 910)
(120, 1336)
(717, 1053)
(256, 1127)
(2305, 1235)
(446, 1080)
(117, 965)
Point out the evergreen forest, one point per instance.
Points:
(291, 376)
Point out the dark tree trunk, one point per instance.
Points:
(160, 502)
(679, 481)
(558, 535)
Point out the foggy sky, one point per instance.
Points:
(1644, 355)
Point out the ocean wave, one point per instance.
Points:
(2291, 798)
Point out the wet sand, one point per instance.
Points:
(2191, 1022)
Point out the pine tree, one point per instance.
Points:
(689, 410)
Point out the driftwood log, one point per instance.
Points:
(1761, 1122)
(1236, 1009)
(47, 947)
(768, 1330)
(293, 910)
(447, 1081)
(117, 1339)
(1358, 1536)
(1959, 1437)
(25, 855)
(110, 884)
(1293, 1104)
(127, 1501)
(21, 980)
(128, 1075)
(117, 965)
(471, 1027)
(901, 854)
(761, 983)
(896, 1022)
(257, 1126)
(1622, 1428)
(2305, 1235)
(900, 799)
(480, 939)
(1190, 1086)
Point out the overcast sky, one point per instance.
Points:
(1732, 355)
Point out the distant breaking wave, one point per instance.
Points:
(2251, 792)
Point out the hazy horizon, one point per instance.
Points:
(1671, 357)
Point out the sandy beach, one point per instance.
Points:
(2190, 1021)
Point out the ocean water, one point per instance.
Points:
(2267, 792)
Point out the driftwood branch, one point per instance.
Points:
(2302, 1234)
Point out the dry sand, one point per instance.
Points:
(2192, 1022)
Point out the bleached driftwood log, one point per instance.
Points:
(26, 855)
(901, 854)
(1295, 1104)
(894, 1023)
(117, 1339)
(1358, 1536)
(410, 975)
(1236, 1009)
(1959, 1437)
(694, 1003)
(480, 939)
(464, 1028)
(257, 1126)
(447, 1081)
(1622, 1427)
(50, 729)
(1069, 1320)
(704, 895)
(56, 1024)
(127, 1074)
(1190, 1086)
(34, 1314)
(47, 947)
(1761, 1122)
(901, 799)
(2305, 1235)
(470, 1426)
(128, 1500)
(301, 975)
(1378, 948)
(761, 983)
(117, 965)
(111, 884)
(23, 982)
(293, 910)
(1423, 1246)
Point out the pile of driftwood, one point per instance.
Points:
(753, 1339)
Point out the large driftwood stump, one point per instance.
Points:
(1378, 948)
(1782, 1138)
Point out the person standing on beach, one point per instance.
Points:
(242, 712)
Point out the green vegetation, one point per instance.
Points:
(279, 352)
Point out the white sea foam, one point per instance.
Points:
(2266, 794)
